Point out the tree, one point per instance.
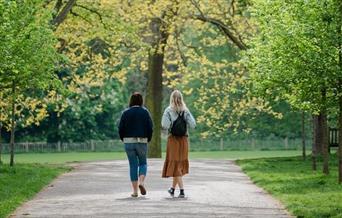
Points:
(28, 59)
(172, 24)
(339, 31)
(292, 56)
(96, 61)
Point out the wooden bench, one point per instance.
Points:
(333, 137)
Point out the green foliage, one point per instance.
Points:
(22, 182)
(304, 193)
(27, 61)
(294, 55)
(27, 53)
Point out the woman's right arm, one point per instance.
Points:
(166, 120)
(122, 126)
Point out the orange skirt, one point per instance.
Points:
(176, 162)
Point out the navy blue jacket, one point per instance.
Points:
(135, 122)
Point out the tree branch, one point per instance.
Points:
(58, 6)
(82, 17)
(93, 11)
(225, 29)
(219, 24)
(63, 13)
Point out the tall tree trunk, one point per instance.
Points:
(303, 136)
(314, 142)
(340, 140)
(154, 93)
(12, 124)
(319, 134)
(0, 143)
(154, 99)
(325, 138)
(340, 99)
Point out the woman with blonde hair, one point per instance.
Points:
(176, 119)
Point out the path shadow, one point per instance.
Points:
(176, 199)
(132, 199)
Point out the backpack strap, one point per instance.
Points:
(182, 113)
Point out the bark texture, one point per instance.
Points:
(303, 136)
(314, 142)
(325, 138)
(154, 92)
(12, 125)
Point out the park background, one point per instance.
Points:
(262, 78)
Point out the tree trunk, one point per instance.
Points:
(340, 141)
(319, 134)
(340, 100)
(303, 136)
(154, 92)
(0, 143)
(12, 125)
(154, 99)
(325, 138)
(314, 142)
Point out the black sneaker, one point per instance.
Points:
(181, 194)
(171, 191)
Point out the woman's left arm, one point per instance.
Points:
(190, 120)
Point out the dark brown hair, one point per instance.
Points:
(136, 99)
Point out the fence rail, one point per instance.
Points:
(195, 145)
(92, 145)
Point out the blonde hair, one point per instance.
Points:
(176, 101)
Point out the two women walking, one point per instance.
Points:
(135, 130)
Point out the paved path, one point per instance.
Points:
(101, 189)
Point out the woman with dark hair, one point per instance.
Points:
(135, 130)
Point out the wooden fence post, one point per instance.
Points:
(286, 142)
(59, 146)
(92, 145)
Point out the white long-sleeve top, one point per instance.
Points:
(169, 116)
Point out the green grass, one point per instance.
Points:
(22, 182)
(305, 193)
(97, 156)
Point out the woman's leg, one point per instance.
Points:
(174, 182)
(142, 153)
(133, 165)
(181, 187)
(180, 182)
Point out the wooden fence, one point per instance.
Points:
(195, 145)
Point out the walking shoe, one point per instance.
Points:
(181, 194)
(134, 195)
(171, 191)
(142, 190)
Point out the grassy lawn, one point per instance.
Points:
(305, 193)
(22, 182)
(94, 156)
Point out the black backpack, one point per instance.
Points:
(178, 127)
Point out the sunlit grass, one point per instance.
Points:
(22, 182)
(305, 193)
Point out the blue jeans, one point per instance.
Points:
(136, 153)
